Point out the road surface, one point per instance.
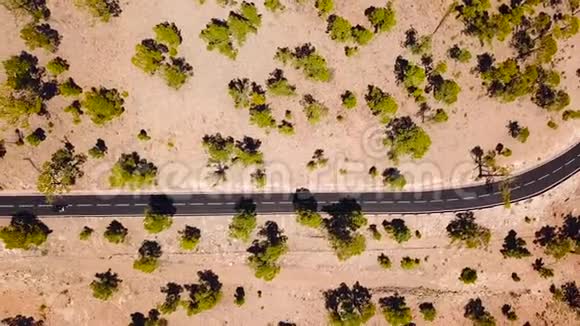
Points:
(524, 186)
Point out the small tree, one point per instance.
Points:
(103, 105)
(428, 311)
(36, 9)
(382, 18)
(464, 229)
(569, 294)
(349, 306)
(410, 263)
(404, 137)
(152, 319)
(36, 137)
(103, 10)
(274, 5)
(159, 214)
(384, 261)
(349, 100)
(397, 230)
(40, 36)
(99, 150)
(57, 66)
(189, 238)
(517, 132)
(25, 231)
(132, 171)
(514, 246)
(20, 320)
(240, 296)
(475, 311)
(248, 152)
(375, 232)
(468, 275)
(324, 6)
(62, 171)
(278, 85)
(69, 88)
(395, 310)
(172, 293)
(459, 54)
(539, 266)
(381, 104)
(508, 312)
(313, 109)
(393, 178)
(339, 28)
(116, 232)
(306, 208)
(306, 58)
(86, 233)
(244, 222)
(203, 295)
(149, 253)
(346, 218)
(105, 285)
(265, 253)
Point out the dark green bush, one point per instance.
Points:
(25, 231)
(132, 171)
(40, 36)
(349, 306)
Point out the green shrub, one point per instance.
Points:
(384, 261)
(381, 104)
(172, 293)
(248, 152)
(349, 306)
(99, 150)
(75, 110)
(149, 254)
(539, 266)
(446, 91)
(514, 247)
(101, 9)
(418, 45)
(16, 110)
(383, 18)
(304, 57)
(459, 54)
(508, 312)
(204, 295)
(217, 36)
(36, 137)
(59, 174)
(116, 232)
(169, 35)
(410, 263)
(36, 9)
(220, 149)
(286, 128)
(559, 242)
(375, 232)
(395, 310)
(553, 125)
(397, 230)
(189, 238)
(568, 294)
(266, 253)
(339, 28)
(309, 218)
(393, 178)
(404, 137)
(261, 116)
(240, 27)
(244, 222)
(346, 218)
(324, 6)
(464, 229)
(428, 311)
(40, 36)
(440, 116)
(176, 73)
(25, 231)
(348, 99)
(152, 319)
(361, 35)
(156, 222)
(103, 105)
(516, 277)
(132, 171)
(149, 56)
(246, 94)
(86, 233)
(350, 51)
(143, 136)
(57, 66)
(278, 85)
(318, 160)
(468, 275)
(475, 311)
(69, 88)
(259, 178)
(105, 285)
(571, 114)
(274, 5)
(240, 296)
(313, 109)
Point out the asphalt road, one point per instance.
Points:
(524, 186)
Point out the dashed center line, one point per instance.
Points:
(7, 206)
(558, 169)
(420, 201)
(25, 205)
(370, 201)
(140, 204)
(179, 204)
(452, 199)
(570, 162)
(103, 205)
(529, 183)
(84, 205)
(436, 200)
(543, 177)
(214, 204)
(387, 201)
(285, 202)
(196, 204)
(122, 205)
(484, 195)
(468, 198)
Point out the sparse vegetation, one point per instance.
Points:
(569, 294)
(381, 104)
(428, 311)
(99, 150)
(468, 275)
(395, 310)
(514, 246)
(244, 222)
(116, 232)
(404, 137)
(410, 263)
(381, 18)
(475, 311)
(102, 10)
(103, 105)
(346, 218)
(86, 233)
(133, 172)
(558, 242)
(41, 36)
(540, 267)
(204, 295)
(384, 261)
(152, 319)
(397, 230)
(509, 313)
(62, 171)
(149, 254)
(393, 178)
(57, 66)
(305, 58)
(463, 229)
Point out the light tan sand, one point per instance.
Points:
(100, 55)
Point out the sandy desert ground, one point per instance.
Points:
(57, 275)
(100, 55)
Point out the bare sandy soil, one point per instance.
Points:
(100, 55)
(57, 275)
